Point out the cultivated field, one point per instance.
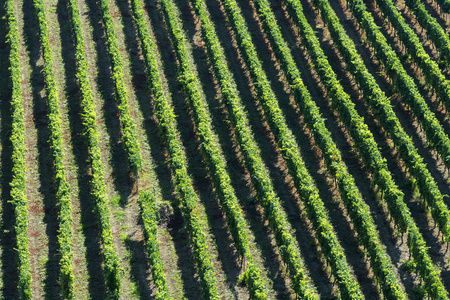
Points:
(224, 149)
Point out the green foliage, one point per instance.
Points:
(182, 181)
(63, 194)
(304, 184)
(128, 127)
(436, 136)
(409, 266)
(434, 32)
(112, 268)
(269, 200)
(382, 109)
(149, 218)
(116, 201)
(217, 166)
(358, 211)
(405, 84)
(17, 138)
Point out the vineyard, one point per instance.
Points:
(224, 149)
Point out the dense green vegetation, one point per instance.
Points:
(17, 137)
(267, 149)
(113, 269)
(380, 105)
(358, 210)
(63, 194)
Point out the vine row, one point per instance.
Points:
(404, 83)
(383, 110)
(434, 30)
(150, 216)
(182, 182)
(426, 184)
(304, 184)
(213, 155)
(129, 134)
(17, 138)
(112, 268)
(63, 194)
(358, 211)
(252, 157)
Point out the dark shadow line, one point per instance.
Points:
(10, 276)
(180, 237)
(227, 254)
(140, 269)
(32, 42)
(418, 212)
(253, 211)
(341, 137)
(139, 263)
(90, 227)
(121, 171)
(264, 140)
